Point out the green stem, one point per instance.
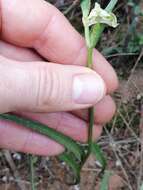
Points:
(92, 39)
(90, 129)
(91, 110)
(32, 174)
(87, 36)
(89, 57)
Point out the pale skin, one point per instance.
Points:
(41, 55)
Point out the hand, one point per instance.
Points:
(31, 33)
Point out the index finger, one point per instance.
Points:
(40, 25)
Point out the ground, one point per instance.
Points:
(122, 139)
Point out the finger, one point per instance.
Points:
(47, 87)
(45, 37)
(18, 53)
(104, 111)
(65, 123)
(13, 136)
(24, 54)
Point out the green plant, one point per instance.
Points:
(32, 162)
(76, 154)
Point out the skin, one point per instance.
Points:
(32, 44)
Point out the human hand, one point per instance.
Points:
(32, 33)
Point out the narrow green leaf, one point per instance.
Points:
(96, 32)
(67, 142)
(141, 188)
(105, 181)
(97, 151)
(111, 5)
(32, 172)
(67, 158)
(34, 159)
(85, 6)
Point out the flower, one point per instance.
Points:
(99, 15)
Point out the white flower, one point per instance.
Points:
(99, 15)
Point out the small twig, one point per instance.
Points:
(73, 5)
(105, 142)
(126, 163)
(14, 170)
(86, 169)
(114, 147)
(128, 126)
(141, 154)
(120, 54)
(126, 85)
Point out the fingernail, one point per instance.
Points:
(88, 88)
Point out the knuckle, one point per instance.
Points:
(49, 85)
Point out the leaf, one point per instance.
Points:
(105, 181)
(97, 151)
(67, 142)
(34, 159)
(85, 6)
(70, 161)
(141, 188)
(95, 34)
(111, 5)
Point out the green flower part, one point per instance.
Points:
(99, 15)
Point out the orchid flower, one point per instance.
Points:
(99, 15)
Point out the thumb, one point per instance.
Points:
(47, 87)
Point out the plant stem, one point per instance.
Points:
(89, 57)
(89, 65)
(87, 37)
(90, 110)
(90, 129)
(32, 175)
(92, 39)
